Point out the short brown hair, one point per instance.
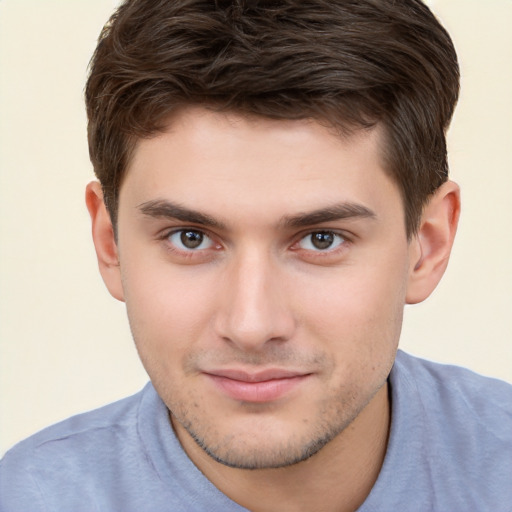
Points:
(350, 63)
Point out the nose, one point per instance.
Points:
(254, 304)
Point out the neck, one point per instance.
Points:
(337, 478)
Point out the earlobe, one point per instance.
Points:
(104, 240)
(432, 245)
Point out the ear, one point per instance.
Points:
(430, 248)
(104, 240)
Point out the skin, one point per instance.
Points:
(257, 295)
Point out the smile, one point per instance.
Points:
(265, 386)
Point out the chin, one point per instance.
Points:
(263, 447)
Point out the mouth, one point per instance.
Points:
(258, 387)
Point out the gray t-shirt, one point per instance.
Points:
(450, 450)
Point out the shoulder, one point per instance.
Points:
(76, 444)
(460, 425)
(115, 415)
(457, 388)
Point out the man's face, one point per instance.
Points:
(264, 267)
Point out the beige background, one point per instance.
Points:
(64, 342)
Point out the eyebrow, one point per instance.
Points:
(331, 213)
(161, 208)
(167, 210)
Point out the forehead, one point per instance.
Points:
(231, 165)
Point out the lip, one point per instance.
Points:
(258, 387)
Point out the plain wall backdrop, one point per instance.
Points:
(65, 345)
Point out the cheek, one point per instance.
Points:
(168, 310)
(357, 310)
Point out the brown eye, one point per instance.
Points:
(321, 241)
(190, 239)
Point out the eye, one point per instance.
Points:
(321, 241)
(190, 240)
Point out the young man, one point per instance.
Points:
(273, 190)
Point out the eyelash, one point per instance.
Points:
(191, 253)
(327, 256)
(341, 240)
